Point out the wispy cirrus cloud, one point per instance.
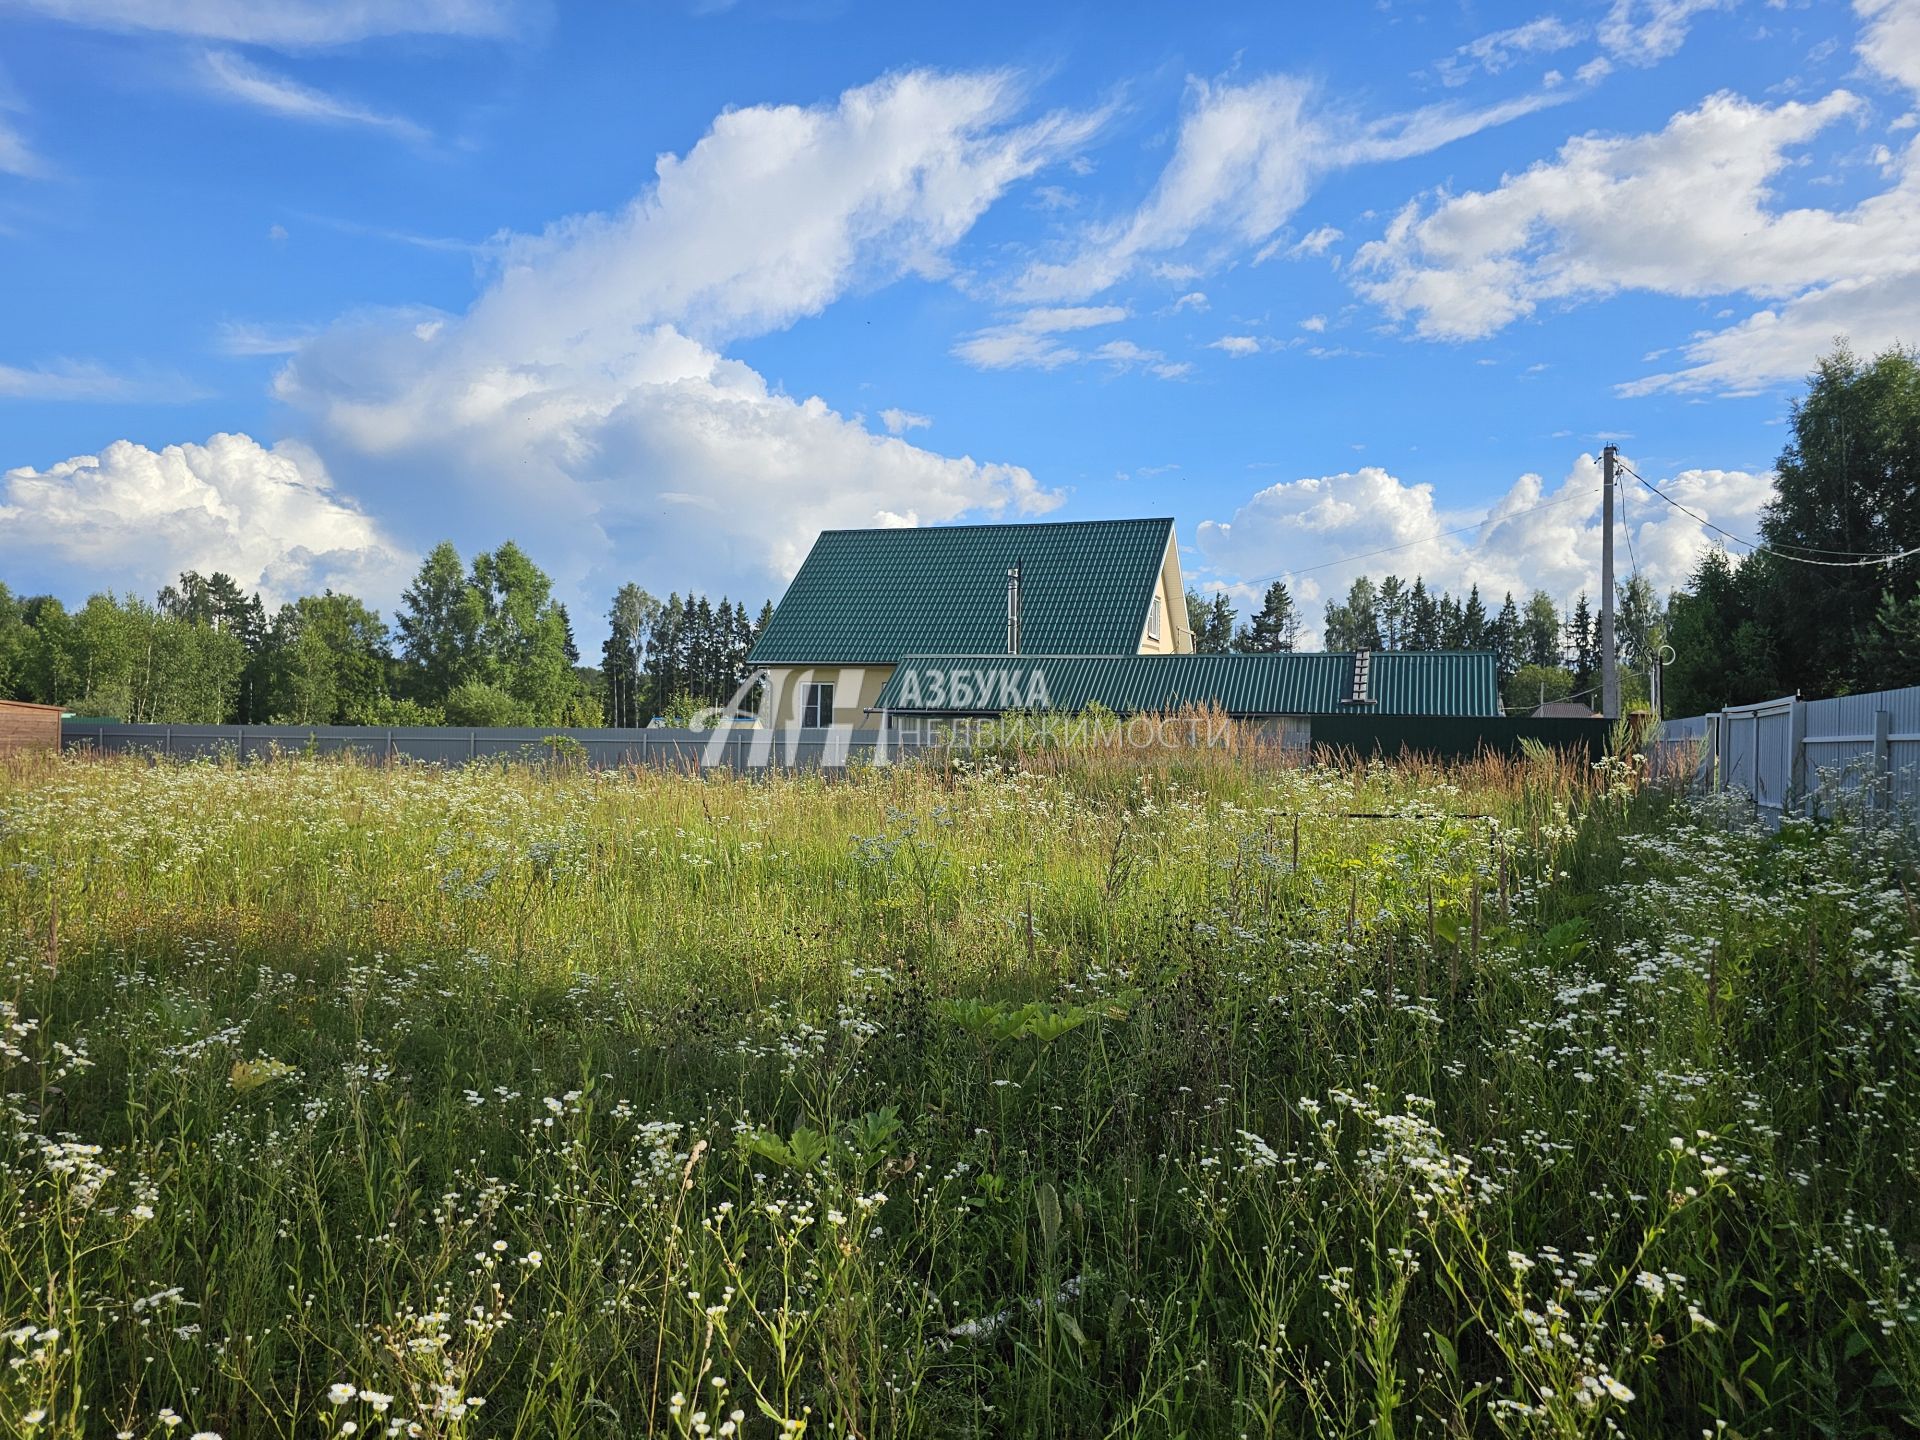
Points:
(1645, 32)
(1246, 157)
(286, 24)
(16, 156)
(1501, 49)
(81, 381)
(234, 77)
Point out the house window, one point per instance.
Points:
(818, 709)
(1153, 620)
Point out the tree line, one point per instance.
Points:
(1801, 615)
(1806, 611)
(479, 643)
(1539, 653)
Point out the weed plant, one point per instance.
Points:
(1081, 1093)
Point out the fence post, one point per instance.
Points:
(1880, 795)
(1798, 789)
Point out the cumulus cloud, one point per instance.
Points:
(1689, 210)
(268, 517)
(1890, 41)
(1320, 533)
(237, 78)
(583, 401)
(1246, 157)
(285, 24)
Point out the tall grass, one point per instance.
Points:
(1079, 1094)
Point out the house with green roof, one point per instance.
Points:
(972, 620)
(863, 600)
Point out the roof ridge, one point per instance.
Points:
(996, 525)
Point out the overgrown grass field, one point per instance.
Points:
(1101, 1095)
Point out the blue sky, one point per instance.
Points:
(295, 289)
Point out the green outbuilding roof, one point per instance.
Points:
(868, 597)
(1401, 682)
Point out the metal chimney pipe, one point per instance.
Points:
(1013, 608)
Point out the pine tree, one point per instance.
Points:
(1506, 639)
(1474, 634)
(1220, 622)
(1277, 625)
(1392, 608)
(439, 625)
(1580, 645)
(1423, 618)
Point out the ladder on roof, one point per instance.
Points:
(1362, 678)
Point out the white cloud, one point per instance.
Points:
(898, 421)
(1688, 210)
(16, 156)
(236, 78)
(1315, 242)
(269, 518)
(1504, 48)
(286, 24)
(1246, 157)
(1236, 345)
(1642, 32)
(1028, 338)
(1315, 323)
(1321, 533)
(878, 186)
(582, 402)
(1125, 355)
(1890, 41)
(1774, 345)
(242, 337)
(72, 380)
(1192, 300)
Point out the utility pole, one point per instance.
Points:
(1609, 667)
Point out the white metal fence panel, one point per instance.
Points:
(1807, 755)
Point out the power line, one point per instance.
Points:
(1861, 561)
(1423, 540)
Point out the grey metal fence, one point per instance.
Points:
(739, 748)
(1805, 756)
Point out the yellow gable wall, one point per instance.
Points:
(1174, 636)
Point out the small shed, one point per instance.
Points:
(1564, 710)
(27, 726)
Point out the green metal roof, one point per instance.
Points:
(872, 596)
(1403, 682)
